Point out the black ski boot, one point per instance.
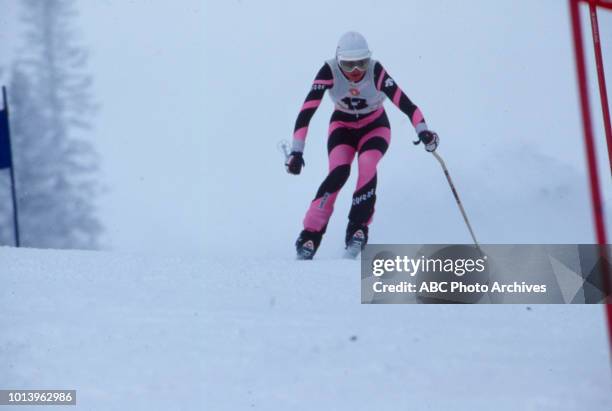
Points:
(307, 244)
(356, 239)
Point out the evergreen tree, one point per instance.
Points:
(51, 109)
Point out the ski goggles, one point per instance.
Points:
(350, 65)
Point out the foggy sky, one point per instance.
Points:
(194, 96)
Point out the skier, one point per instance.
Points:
(358, 86)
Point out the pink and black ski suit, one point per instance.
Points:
(358, 125)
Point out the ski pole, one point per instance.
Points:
(452, 187)
(283, 147)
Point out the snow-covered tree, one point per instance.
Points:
(51, 109)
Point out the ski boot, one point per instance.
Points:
(307, 244)
(356, 239)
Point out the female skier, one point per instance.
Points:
(358, 86)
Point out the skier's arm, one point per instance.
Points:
(322, 82)
(386, 84)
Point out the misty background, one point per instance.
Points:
(190, 99)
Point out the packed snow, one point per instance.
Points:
(142, 332)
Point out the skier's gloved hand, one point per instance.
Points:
(295, 162)
(430, 139)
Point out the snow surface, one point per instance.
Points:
(144, 332)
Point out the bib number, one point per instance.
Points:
(355, 103)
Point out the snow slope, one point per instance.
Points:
(136, 332)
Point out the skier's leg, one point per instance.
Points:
(321, 208)
(372, 146)
(341, 147)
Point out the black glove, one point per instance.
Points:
(295, 162)
(430, 139)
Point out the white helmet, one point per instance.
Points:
(352, 46)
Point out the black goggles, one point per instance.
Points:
(350, 65)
